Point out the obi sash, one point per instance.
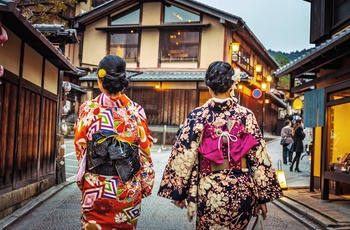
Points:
(109, 156)
(237, 140)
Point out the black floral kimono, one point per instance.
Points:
(223, 197)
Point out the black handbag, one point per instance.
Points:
(283, 140)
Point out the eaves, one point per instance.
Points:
(313, 59)
(18, 24)
(155, 76)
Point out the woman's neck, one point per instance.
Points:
(219, 95)
(113, 95)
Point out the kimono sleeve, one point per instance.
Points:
(80, 129)
(181, 171)
(262, 170)
(147, 174)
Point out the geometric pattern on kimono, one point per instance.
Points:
(133, 213)
(110, 188)
(89, 197)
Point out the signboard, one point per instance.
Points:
(256, 93)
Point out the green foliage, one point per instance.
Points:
(283, 59)
(290, 56)
(47, 11)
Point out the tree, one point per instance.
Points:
(283, 82)
(45, 11)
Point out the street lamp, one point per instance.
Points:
(269, 78)
(258, 70)
(234, 46)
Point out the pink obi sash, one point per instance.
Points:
(237, 140)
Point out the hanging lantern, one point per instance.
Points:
(297, 104)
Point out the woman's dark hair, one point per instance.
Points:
(287, 122)
(115, 79)
(219, 76)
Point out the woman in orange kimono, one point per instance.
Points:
(112, 142)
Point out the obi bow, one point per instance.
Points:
(238, 141)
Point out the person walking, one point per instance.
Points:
(220, 168)
(286, 132)
(298, 146)
(112, 142)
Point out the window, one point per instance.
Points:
(125, 45)
(179, 45)
(173, 14)
(128, 19)
(338, 141)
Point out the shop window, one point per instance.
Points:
(173, 14)
(179, 46)
(338, 141)
(125, 45)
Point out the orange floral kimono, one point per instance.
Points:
(107, 202)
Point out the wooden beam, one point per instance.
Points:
(338, 73)
(324, 58)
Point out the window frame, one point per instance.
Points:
(125, 32)
(180, 54)
(127, 59)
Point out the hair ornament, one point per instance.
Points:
(235, 78)
(101, 73)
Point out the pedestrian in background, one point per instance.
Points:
(298, 146)
(112, 142)
(286, 131)
(219, 167)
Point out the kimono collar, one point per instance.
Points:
(222, 104)
(120, 101)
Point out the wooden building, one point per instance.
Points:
(322, 79)
(29, 110)
(167, 46)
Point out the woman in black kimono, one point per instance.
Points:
(219, 167)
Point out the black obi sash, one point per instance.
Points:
(106, 155)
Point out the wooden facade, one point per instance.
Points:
(28, 121)
(29, 110)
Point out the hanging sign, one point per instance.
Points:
(256, 93)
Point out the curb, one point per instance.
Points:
(306, 214)
(40, 198)
(297, 214)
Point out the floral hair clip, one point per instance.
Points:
(101, 73)
(236, 78)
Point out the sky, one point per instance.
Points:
(280, 25)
